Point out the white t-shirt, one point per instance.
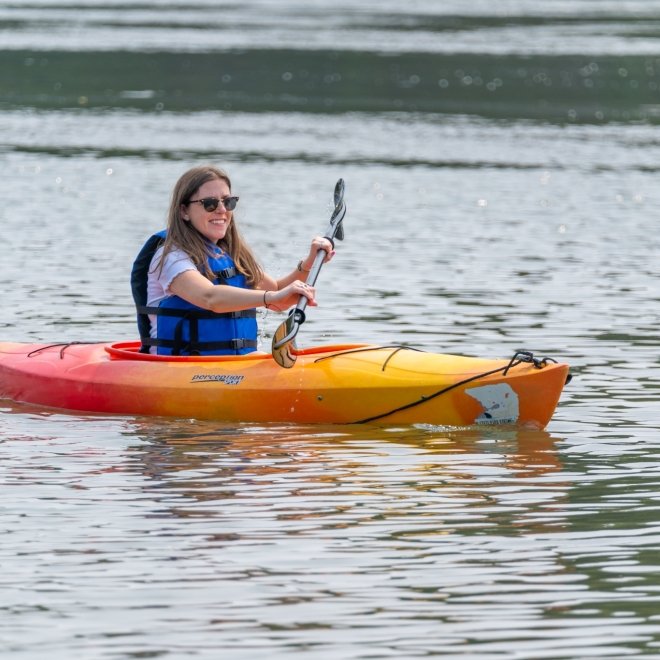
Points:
(159, 280)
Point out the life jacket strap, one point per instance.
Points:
(198, 314)
(177, 347)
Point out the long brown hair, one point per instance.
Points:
(182, 235)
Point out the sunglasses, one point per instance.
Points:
(212, 203)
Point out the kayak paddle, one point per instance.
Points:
(283, 339)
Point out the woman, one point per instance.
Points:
(197, 284)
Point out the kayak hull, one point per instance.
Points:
(329, 385)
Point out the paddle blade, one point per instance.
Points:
(284, 345)
(339, 192)
(336, 224)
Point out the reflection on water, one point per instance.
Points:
(563, 88)
(563, 61)
(248, 455)
(501, 166)
(280, 537)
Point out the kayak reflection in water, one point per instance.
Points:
(197, 284)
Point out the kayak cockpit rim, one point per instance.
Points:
(130, 350)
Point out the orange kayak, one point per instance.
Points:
(329, 384)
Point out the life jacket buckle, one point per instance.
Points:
(226, 274)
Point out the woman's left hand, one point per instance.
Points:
(318, 243)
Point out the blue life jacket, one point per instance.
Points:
(184, 328)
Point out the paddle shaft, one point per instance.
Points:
(298, 312)
(313, 276)
(288, 330)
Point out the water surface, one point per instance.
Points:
(501, 164)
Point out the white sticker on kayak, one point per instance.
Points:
(499, 401)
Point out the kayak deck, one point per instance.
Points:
(355, 383)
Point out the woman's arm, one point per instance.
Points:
(274, 294)
(192, 286)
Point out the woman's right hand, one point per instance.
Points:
(280, 301)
